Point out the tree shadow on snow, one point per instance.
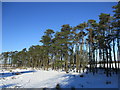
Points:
(85, 80)
(2, 75)
(71, 81)
(8, 85)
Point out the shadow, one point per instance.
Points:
(28, 71)
(71, 81)
(2, 75)
(88, 80)
(5, 86)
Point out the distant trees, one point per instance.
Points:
(116, 26)
(5, 57)
(86, 45)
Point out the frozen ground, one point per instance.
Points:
(49, 79)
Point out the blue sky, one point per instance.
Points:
(23, 24)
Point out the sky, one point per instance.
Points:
(24, 23)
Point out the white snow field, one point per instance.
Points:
(49, 79)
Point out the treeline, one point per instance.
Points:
(80, 47)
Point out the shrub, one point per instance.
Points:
(81, 75)
(17, 73)
(72, 88)
(57, 86)
(73, 75)
(44, 88)
(81, 85)
(10, 70)
(13, 78)
(67, 72)
(108, 82)
(86, 72)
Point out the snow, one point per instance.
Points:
(49, 79)
(113, 65)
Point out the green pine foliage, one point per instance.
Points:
(88, 43)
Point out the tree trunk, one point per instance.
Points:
(114, 56)
(110, 59)
(66, 63)
(118, 45)
(107, 62)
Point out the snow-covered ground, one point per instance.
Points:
(49, 79)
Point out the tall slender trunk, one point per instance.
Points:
(66, 63)
(110, 59)
(90, 57)
(107, 62)
(77, 62)
(96, 60)
(81, 52)
(103, 58)
(77, 58)
(100, 57)
(61, 60)
(118, 45)
(93, 55)
(114, 56)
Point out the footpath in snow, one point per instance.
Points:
(49, 79)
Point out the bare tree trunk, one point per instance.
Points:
(118, 45)
(110, 61)
(77, 62)
(107, 62)
(90, 57)
(100, 57)
(77, 58)
(96, 60)
(114, 56)
(103, 59)
(81, 53)
(66, 63)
